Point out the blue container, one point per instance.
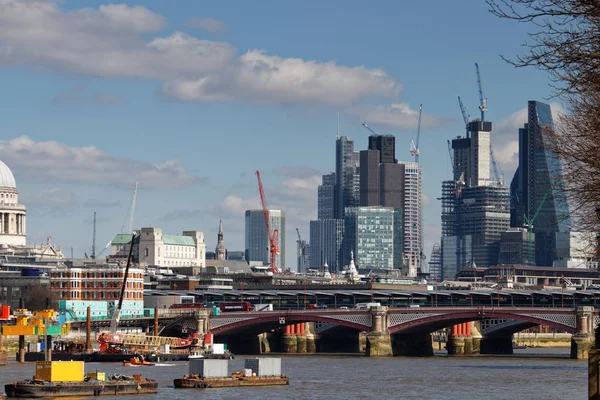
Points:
(215, 311)
(30, 272)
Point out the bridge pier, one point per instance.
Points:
(583, 339)
(461, 340)
(379, 342)
(290, 342)
(311, 342)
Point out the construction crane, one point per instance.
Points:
(528, 222)
(273, 234)
(93, 256)
(482, 100)
(414, 148)
(497, 173)
(465, 114)
(114, 323)
(451, 158)
(370, 130)
(128, 224)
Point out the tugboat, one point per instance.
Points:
(67, 379)
(213, 373)
(137, 361)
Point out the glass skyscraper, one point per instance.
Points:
(257, 237)
(371, 232)
(536, 185)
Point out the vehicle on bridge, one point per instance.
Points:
(367, 305)
(235, 306)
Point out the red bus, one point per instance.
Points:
(187, 305)
(235, 306)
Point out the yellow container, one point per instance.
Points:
(98, 376)
(59, 371)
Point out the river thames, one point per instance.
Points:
(529, 374)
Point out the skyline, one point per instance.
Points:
(155, 109)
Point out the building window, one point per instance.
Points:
(146, 252)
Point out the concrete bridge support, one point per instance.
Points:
(290, 342)
(311, 337)
(461, 340)
(379, 342)
(583, 339)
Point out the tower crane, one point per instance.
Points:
(465, 114)
(529, 225)
(497, 173)
(370, 130)
(482, 100)
(128, 224)
(273, 234)
(414, 148)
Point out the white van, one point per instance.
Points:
(367, 305)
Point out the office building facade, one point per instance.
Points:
(413, 218)
(326, 237)
(257, 237)
(369, 232)
(326, 197)
(536, 185)
(386, 145)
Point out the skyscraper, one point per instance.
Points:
(257, 237)
(536, 185)
(386, 145)
(326, 237)
(344, 170)
(413, 218)
(370, 188)
(326, 197)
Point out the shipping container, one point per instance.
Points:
(208, 338)
(5, 312)
(218, 348)
(264, 366)
(59, 371)
(208, 368)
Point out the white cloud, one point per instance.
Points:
(208, 24)
(396, 116)
(112, 41)
(58, 162)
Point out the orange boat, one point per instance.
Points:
(137, 361)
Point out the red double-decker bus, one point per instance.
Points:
(235, 306)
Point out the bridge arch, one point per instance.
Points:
(225, 324)
(432, 321)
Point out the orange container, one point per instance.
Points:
(208, 338)
(4, 312)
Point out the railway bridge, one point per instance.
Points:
(406, 330)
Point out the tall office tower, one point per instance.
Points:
(353, 181)
(326, 236)
(391, 179)
(344, 157)
(536, 185)
(435, 263)
(326, 197)
(485, 215)
(369, 233)
(303, 258)
(386, 144)
(479, 161)
(461, 147)
(370, 188)
(257, 237)
(413, 218)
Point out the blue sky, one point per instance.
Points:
(192, 99)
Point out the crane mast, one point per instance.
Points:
(482, 100)
(128, 224)
(414, 148)
(273, 235)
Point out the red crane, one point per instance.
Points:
(273, 234)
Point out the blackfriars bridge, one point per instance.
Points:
(401, 331)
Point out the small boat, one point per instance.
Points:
(137, 361)
(517, 346)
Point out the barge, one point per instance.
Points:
(66, 379)
(235, 380)
(207, 373)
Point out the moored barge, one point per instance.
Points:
(66, 379)
(204, 374)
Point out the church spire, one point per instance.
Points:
(220, 249)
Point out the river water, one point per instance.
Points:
(529, 374)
